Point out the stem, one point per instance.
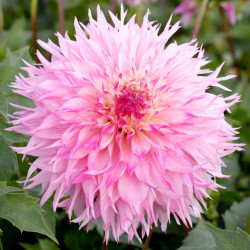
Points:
(33, 14)
(113, 6)
(164, 4)
(139, 14)
(242, 97)
(199, 18)
(149, 238)
(186, 230)
(61, 16)
(226, 28)
(1, 19)
(105, 244)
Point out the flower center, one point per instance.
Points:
(131, 103)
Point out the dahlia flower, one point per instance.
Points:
(123, 130)
(134, 3)
(188, 8)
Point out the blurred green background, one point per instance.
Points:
(228, 210)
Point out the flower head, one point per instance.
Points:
(124, 129)
(230, 11)
(188, 8)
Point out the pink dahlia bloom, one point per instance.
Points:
(124, 130)
(188, 8)
(230, 11)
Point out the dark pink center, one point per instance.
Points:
(131, 102)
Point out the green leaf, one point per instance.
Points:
(20, 100)
(16, 37)
(8, 161)
(230, 240)
(11, 66)
(237, 215)
(3, 106)
(11, 136)
(6, 77)
(14, 59)
(43, 244)
(227, 196)
(244, 133)
(199, 238)
(80, 239)
(9, 189)
(48, 217)
(232, 169)
(24, 212)
(241, 115)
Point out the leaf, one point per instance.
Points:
(48, 217)
(11, 66)
(244, 133)
(232, 169)
(3, 106)
(9, 189)
(14, 59)
(6, 73)
(80, 239)
(8, 161)
(230, 240)
(43, 244)
(20, 100)
(11, 136)
(15, 38)
(241, 115)
(227, 196)
(193, 240)
(237, 215)
(24, 212)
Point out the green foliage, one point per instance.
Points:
(10, 137)
(199, 239)
(78, 240)
(8, 161)
(207, 237)
(10, 67)
(15, 39)
(24, 212)
(237, 215)
(230, 240)
(43, 244)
